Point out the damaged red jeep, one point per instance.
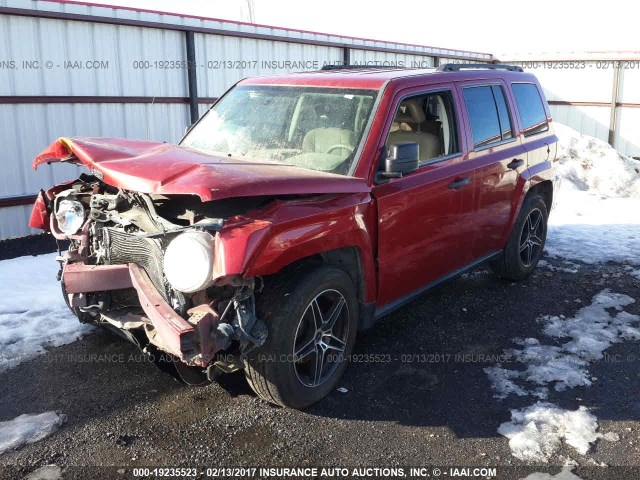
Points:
(300, 209)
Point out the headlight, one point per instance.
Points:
(188, 261)
(70, 216)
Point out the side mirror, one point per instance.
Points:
(402, 158)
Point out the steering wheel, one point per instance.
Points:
(341, 146)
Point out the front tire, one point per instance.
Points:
(312, 322)
(526, 242)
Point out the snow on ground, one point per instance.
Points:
(535, 433)
(48, 472)
(33, 314)
(597, 215)
(634, 272)
(569, 268)
(591, 228)
(596, 219)
(28, 429)
(586, 336)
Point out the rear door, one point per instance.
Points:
(425, 218)
(499, 159)
(537, 137)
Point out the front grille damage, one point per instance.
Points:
(124, 229)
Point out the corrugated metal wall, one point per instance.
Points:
(250, 57)
(628, 122)
(124, 91)
(360, 57)
(29, 127)
(582, 94)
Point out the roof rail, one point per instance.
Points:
(456, 67)
(358, 66)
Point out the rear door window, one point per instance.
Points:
(503, 112)
(488, 114)
(530, 108)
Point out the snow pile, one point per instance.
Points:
(597, 215)
(535, 433)
(586, 336)
(589, 163)
(33, 314)
(28, 429)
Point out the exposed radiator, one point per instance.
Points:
(147, 252)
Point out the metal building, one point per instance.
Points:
(77, 69)
(597, 94)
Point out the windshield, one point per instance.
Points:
(315, 128)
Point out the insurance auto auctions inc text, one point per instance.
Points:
(353, 472)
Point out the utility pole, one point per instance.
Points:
(248, 12)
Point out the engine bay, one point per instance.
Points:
(167, 244)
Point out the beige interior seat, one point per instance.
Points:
(320, 140)
(395, 126)
(411, 113)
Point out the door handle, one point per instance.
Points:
(460, 183)
(515, 163)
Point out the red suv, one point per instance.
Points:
(300, 209)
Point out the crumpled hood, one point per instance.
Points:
(162, 168)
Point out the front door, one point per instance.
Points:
(425, 218)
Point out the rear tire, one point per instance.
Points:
(312, 321)
(526, 242)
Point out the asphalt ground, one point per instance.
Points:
(416, 394)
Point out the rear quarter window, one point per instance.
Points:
(530, 108)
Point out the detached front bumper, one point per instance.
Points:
(191, 340)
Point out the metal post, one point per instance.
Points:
(192, 81)
(436, 62)
(346, 56)
(615, 98)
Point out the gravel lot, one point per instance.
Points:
(404, 409)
